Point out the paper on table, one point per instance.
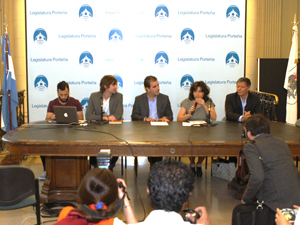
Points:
(157, 123)
(193, 123)
(115, 122)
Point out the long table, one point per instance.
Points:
(66, 146)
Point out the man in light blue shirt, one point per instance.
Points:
(242, 104)
(152, 106)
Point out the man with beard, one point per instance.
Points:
(64, 99)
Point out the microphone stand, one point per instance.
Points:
(209, 124)
(102, 113)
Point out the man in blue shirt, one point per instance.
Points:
(242, 104)
(152, 106)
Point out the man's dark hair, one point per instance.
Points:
(170, 183)
(148, 80)
(257, 124)
(203, 87)
(106, 81)
(246, 80)
(62, 86)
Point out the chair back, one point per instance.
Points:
(17, 183)
(267, 104)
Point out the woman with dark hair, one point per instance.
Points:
(99, 194)
(196, 107)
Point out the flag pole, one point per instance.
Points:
(7, 71)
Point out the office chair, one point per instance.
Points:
(19, 189)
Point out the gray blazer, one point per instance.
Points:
(274, 177)
(93, 111)
(141, 107)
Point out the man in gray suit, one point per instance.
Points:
(152, 106)
(273, 175)
(111, 102)
(109, 98)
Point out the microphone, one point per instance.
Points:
(195, 105)
(102, 113)
(209, 107)
(101, 104)
(208, 116)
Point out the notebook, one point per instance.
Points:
(66, 114)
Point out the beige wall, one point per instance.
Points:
(268, 33)
(14, 13)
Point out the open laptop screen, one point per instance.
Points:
(65, 114)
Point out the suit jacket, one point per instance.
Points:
(234, 108)
(141, 107)
(93, 111)
(273, 177)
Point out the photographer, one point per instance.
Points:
(170, 184)
(273, 178)
(99, 194)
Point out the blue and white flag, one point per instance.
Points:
(9, 83)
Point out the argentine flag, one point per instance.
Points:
(9, 84)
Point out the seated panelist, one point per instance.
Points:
(152, 106)
(111, 102)
(242, 104)
(109, 98)
(63, 99)
(196, 107)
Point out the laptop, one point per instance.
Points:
(66, 114)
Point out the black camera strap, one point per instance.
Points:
(118, 206)
(96, 215)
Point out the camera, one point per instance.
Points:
(191, 215)
(289, 214)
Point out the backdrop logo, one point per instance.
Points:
(84, 102)
(161, 59)
(115, 35)
(85, 12)
(232, 59)
(187, 35)
(41, 83)
(40, 36)
(161, 12)
(86, 59)
(186, 82)
(233, 13)
(120, 81)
